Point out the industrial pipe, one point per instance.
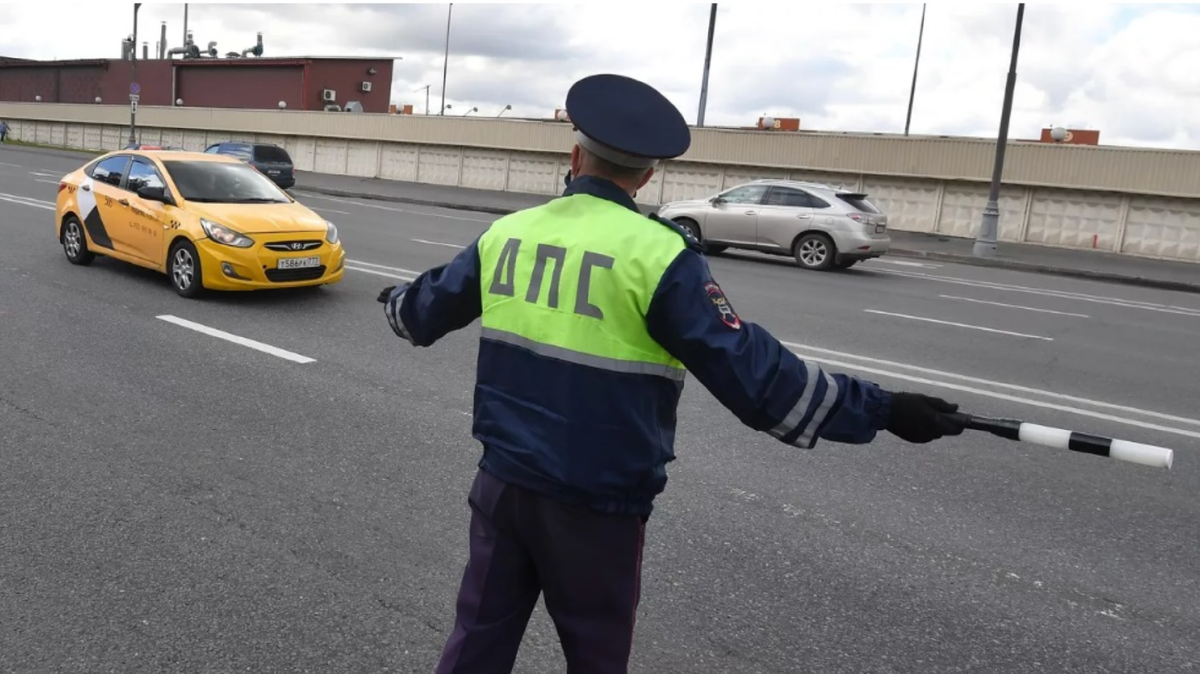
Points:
(257, 49)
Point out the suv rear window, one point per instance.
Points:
(271, 153)
(858, 202)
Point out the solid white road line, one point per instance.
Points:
(438, 243)
(959, 325)
(1012, 306)
(847, 366)
(383, 266)
(242, 341)
(808, 348)
(1059, 294)
(4, 163)
(907, 263)
(26, 201)
(44, 180)
(376, 272)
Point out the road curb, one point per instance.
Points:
(1050, 270)
(64, 153)
(433, 203)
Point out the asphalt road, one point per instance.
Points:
(172, 501)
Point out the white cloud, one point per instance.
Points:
(1123, 69)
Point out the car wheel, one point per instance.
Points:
(814, 251)
(183, 266)
(691, 227)
(74, 242)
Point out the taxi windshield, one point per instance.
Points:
(223, 183)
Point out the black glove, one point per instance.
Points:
(919, 418)
(383, 296)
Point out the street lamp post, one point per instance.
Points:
(912, 94)
(133, 85)
(446, 58)
(712, 25)
(985, 243)
(426, 88)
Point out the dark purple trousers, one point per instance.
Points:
(523, 544)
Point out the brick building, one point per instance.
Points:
(302, 83)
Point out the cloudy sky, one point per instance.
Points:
(1126, 70)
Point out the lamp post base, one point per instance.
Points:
(985, 243)
(984, 249)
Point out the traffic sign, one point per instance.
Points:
(135, 88)
(134, 98)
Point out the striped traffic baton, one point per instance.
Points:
(1059, 438)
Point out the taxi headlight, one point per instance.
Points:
(331, 232)
(225, 235)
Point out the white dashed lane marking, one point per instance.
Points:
(1012, 306)
(958, 325)
(438, 243)
(241, 341)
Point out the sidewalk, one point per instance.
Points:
(1163, 274)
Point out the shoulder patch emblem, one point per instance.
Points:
(724, 310)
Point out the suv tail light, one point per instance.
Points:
(860, 217)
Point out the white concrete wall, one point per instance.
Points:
(1131, 224)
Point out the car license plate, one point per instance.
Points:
(299, 262)
(879, 229)
(273, 173)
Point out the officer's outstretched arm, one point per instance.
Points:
(764, 384)
(437, 302)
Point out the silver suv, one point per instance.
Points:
(821, 226)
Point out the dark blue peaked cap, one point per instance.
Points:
(625, 121)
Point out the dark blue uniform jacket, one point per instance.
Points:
(602, 439)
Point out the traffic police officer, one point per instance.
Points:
(591, 314)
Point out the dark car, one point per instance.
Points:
(273, 161)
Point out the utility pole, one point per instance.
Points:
(446, 58)
(712, 25)
(134, 88)
(426, 88)
(985, 243)
(912, 94)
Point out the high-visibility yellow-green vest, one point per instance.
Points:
(574, 396)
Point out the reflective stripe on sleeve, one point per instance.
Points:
(794, 421)
(794, 417)
(392, 308)
(809, 437)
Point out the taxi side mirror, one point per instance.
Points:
(155, 193)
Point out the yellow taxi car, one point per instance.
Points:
(209, 222)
